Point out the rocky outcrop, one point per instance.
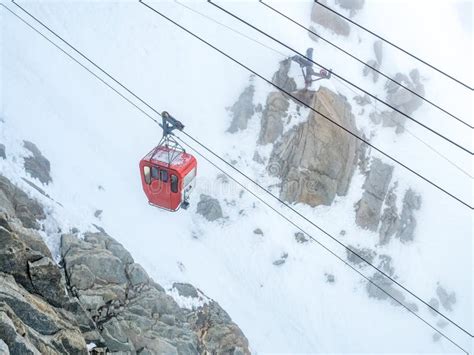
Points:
(352, 5)
(209, 208)
(3, 154)
(401, 99)
(316, 159)
(329, 20)
(101, 296)
(133, 313)
(17, 203)
(37, 165)
(411, 203)
(375, 188)
(242, 110)
(374, 63)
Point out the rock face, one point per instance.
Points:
(209, 208)
(16, 203)
(316, 159)
(133, 313)
(374, 63)
(375, 188)
(401, 99)
(37, 165)
(242, 110)
(411, 203)
(101, 296)
(329, 20)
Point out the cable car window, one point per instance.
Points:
(164, 175)
(188, 178)
(146, 174)
(174, 183)
(154, 172)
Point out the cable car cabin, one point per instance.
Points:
(168, 177)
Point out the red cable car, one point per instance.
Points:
(167, 172)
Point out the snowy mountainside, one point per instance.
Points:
(95, 138)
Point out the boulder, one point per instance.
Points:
(47, 281)
(316, 159)
(375, 188)
(209, 208)
(329, 20)
(242, 110)
(37, 165)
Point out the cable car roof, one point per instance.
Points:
(165, 155)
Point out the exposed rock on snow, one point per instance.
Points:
(411, 203)
(301, 238)
(353, 5)
(275, 110)
(16, 203)
(281, 260)
(388, 286)
(316, 159)
(374, 63)
(446, 299)
(133, 312)
(401, 99)
(281, 77)
(3, 151)
(242, 110)
(375, 188)
(366, 253)
(389, 220)
(329, 20)
(102, 296)
(209, 208)
(37, 165)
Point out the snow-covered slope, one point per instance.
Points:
(95, 139)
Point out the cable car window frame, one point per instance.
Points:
(147, 174)
(155, 174)
(164, 175)
(174, 183)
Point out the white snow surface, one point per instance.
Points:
(94, 140)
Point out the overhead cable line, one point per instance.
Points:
(366, 64)
(343, 79)
(190, 137)
(311, 108)
(394, 45)
(449, 161)
(283, 202)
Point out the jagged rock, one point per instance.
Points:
(4, 348)
(375, 188)
(242, 110)
(329, 20)
(362, 100)
(446, 299)
(186, 290)
(301, 238)
(281, 77)
(275, 110)
(316, 159)
(3, 151)
(137, 315)
(369, 69)
(209, 208)
(28, 324)
(401, 99)
(17, 203)
(47, 280)
(389, 222)
(37, 165)
(411, 203)
(366, 253)
(353, 5)
(386, 285)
